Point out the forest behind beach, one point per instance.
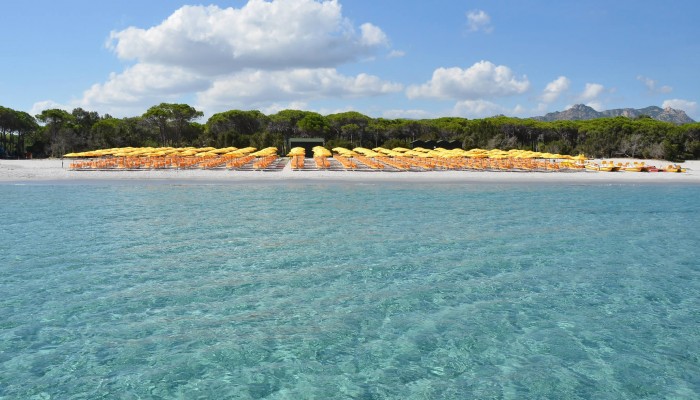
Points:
(55, 132)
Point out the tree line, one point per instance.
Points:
(56, 132)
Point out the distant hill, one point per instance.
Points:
(583, 112)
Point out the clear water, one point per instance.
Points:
(349, 291)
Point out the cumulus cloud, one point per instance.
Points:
(596, 105)
(135, 89)
(144, 80)
(266, 51)
(479, 20)
(40, 106)
(372, 35)
(591, 92)
(652, 85)
(483, 79)
(411, 114)
(479, 109)
(276, 34)
(255, 86)
(464, 109)
(690, 107)
(274, 108)
(555, 89)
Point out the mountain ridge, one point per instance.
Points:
(580, 112)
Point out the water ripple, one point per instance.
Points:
(349, 291)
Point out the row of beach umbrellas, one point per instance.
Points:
(174, 152)
(454, 153)
(320, 151)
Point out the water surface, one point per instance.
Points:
(349, 291)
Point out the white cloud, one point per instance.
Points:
(255, 86)
(555, 88)
(540, 109)
(591, 92)
(519, 110)
(483, 79)
(648, 82)
(274, 108)
(143, 81)
(596, 105)
(40, 106)
(372, 35)
(134, 90)
(396, 54)
(275, 34)
(267, 51)
(410, 114)
(479, 109)
(343, 109)
(479, 20)
(652, 87)
(690, 107)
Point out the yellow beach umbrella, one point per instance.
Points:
(320, 151)
(247, 150)
(268, 151)
(346, 153)
(297, 151)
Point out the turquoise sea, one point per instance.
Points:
(148, 290)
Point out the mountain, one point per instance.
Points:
(583, 112)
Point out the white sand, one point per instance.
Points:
(57, 170)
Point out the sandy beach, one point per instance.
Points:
(57, 170)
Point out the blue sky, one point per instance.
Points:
(386, 58)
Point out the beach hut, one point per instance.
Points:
(426, 144)
(449, 145)
(418, 143)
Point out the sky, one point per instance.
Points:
(382, 58)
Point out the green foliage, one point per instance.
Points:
(233, 128)
(351, 132)
(313, 124)
(261, 140)
(333, 143)
(108, 133)
(479, 133)
(15, 127)
(337, 121)
(175, 125)
(59, 124)
(394, 143)
(172, 122)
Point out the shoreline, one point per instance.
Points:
(56, 171)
